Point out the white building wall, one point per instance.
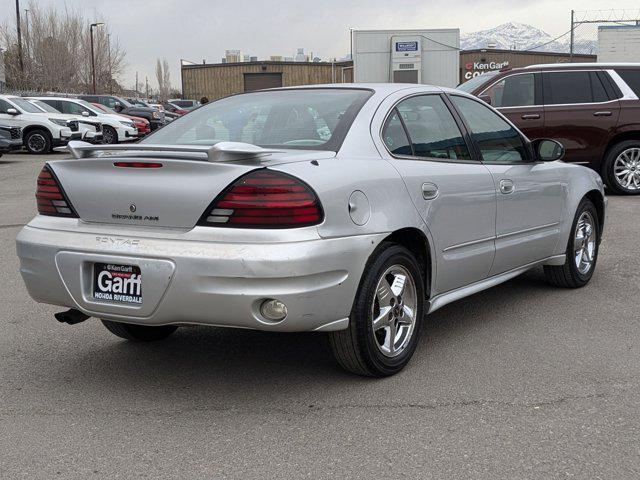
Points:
(440, 55)
(619, 43)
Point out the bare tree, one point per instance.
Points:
(57, 53)
(164, 79)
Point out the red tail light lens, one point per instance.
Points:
(50, 196)
(265, 199)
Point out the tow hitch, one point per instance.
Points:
(71, 316)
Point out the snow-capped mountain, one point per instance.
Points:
(520, 36)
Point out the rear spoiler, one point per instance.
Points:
(219, 152)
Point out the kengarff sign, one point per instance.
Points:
(473, 69)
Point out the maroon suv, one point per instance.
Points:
(593, 109)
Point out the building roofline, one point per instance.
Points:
(340, 63)
(528, 52)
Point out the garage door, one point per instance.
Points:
(258, 81)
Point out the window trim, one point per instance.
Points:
(538, 94)
(461, 126)
(527, 143)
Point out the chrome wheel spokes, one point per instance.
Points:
(626, 169)
(394, 310)
(584, 243)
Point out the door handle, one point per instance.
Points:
(530, 116)
(604, 113)
(507, 186)
(429, 191)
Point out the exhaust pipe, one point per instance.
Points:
(71, 316)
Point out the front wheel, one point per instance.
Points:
(38, 142)
(582, 250)
(109, 135)
(622, 168)
(384, 325)
(139, 333)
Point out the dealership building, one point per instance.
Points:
(407, 56)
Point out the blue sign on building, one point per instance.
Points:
(406, 46)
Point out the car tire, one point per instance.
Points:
(383, 298)
(139, 333)
(109, 135)
(582, 250)
(38, 141)
(622, 157)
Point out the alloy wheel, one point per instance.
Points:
(584, 243)
(393, 313)
(626, 169)
(37, 143)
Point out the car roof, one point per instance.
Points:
(584, 65)
(387, 88)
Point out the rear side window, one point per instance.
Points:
(395, 136)
(513, 91)
(431, 128)
(573, 87)
(631, 78)
(497, 140)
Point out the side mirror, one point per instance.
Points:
(13, 111)
(486, 99)
(85, 113)
(547, 150)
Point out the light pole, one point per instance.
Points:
(109, 47)
(93, 60)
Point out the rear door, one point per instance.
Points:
(530, 195)
(519, 98)
(452, 190)
(579, 113)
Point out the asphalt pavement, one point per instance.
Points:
(520, 381)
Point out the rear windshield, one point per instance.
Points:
(631, 78)
(470, 85)
(316, 119)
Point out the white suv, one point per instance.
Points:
(40, 131)
(114, 127)
(91, 130)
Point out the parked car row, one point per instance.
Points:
(593, 109)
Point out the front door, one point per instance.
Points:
(530, 195)
(452, 191)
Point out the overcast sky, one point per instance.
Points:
(202, 29)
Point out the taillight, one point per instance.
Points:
(264, 199)
(50, 196)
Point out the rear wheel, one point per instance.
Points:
(384, 325)
(582, 250)
(139, 333)
(38, 142)
(622, 168)
(109, 135)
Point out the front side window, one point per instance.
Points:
(307, 118)
(431, 128)
(498, 141)
(513, 91)
(4, 106)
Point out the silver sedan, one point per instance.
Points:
(353, 210)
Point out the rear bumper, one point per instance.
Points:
(190, 281)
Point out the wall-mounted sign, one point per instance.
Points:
(406, 46)
(473, 69)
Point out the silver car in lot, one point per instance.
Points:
(352, 210)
